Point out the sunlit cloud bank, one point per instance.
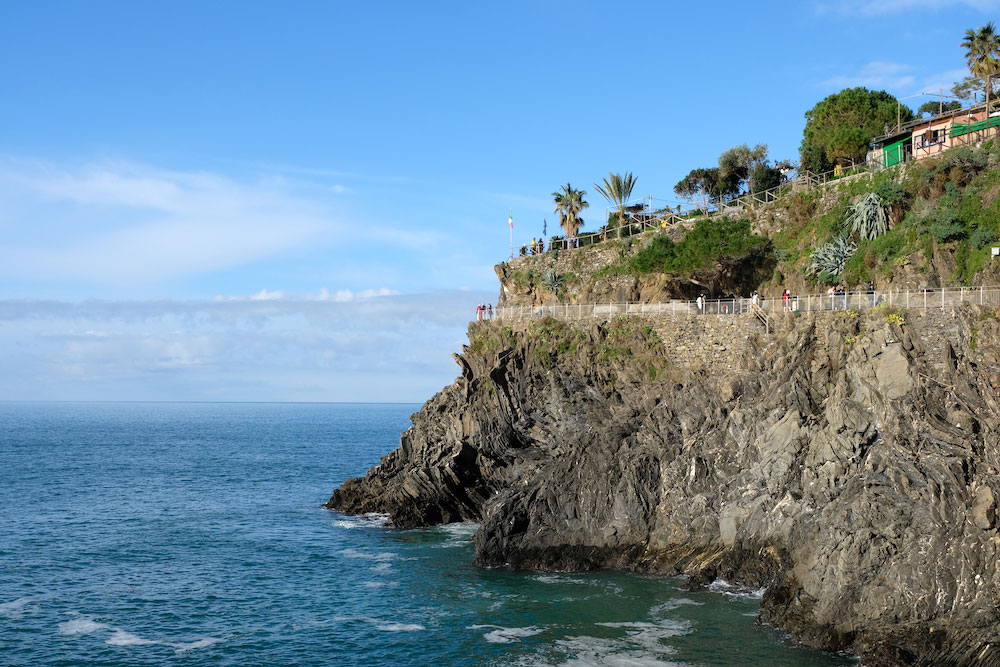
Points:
(331, 346)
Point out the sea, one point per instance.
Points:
(194, 534)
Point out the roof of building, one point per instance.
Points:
(909, 126)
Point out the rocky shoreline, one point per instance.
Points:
(846, 463)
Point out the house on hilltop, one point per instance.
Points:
(924, 137)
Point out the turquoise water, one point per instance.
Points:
(147, 534)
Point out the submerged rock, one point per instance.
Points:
(848, 465)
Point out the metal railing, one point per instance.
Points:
(639, 221)
(863, 300)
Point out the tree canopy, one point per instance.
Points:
(967, 88)
(569, 202)
(839, 128)
(749, 166)
(982, 54)
(700, 187)
(617, 190)
(934, 108)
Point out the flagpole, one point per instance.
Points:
(510, 220)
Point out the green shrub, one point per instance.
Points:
(947, 231)
(707, 243)
(982, 237)
(891, 193)
(970, 160)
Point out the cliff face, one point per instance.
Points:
(848, 464)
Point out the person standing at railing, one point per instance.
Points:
(700, 303)
(784, 300)
(489, 312)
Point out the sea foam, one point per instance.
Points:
(370, 520)
(123, 638)
(583, 651)
(735, 591)
(15, 608)
(399, 627)
(120, 637)
(670, 605)
(502, 635)
(81, 626)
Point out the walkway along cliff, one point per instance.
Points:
(848, 463)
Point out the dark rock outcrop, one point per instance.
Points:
(847, 464)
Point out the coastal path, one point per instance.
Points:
(938, 297)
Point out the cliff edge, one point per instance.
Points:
(848, 463)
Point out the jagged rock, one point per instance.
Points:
(984, 508)
(848, 466)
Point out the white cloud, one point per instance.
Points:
(943, 80)
(268, 295)
(901, 80)
(875, 74)
(883, 7)
(119, 222)
(370, 345)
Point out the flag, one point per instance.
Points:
(544, 223)
(511, 220)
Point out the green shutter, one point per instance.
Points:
(892, 154)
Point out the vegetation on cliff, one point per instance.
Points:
(937, 219)
(710, 242)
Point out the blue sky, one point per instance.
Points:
(304, 201)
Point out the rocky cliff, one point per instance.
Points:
(848, 463)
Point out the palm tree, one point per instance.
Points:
(982, 49)
(569, 203)
(617, 189)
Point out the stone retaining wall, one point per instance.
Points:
(716, 344)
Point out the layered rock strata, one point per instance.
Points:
(848, 463)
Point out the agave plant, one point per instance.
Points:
(832, 257)
(553, 281)
(868, 218)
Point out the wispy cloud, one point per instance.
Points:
(899, 79)
(115, 222)
(885, 7)
(330, 345)
(875, 74)
(942, 80)
(118, 221)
